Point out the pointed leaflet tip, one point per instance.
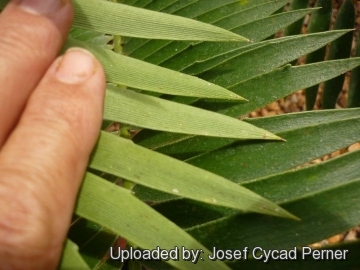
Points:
(244, 99)
(218, 91)
(144, 23)
(270, 136)
(277, 211)
(285, 214)
(237, 97)
(244, 39)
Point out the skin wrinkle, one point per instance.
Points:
(44, 29)
(31, 189)
(65, 117)
(66, 123)
(21, 36)
(26, 209)
(36, 255)
(29, 209)
(49, 145)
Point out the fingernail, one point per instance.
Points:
(43, 7)
(76, 66)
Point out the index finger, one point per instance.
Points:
(31, 35)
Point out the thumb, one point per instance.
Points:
(44, 159)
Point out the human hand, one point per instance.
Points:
(50, 116)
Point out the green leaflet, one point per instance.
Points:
(324, 213)
(285, 80)
(134, 73)
(178, 5)
(256, 30)
(354, 85)
(295, 28)
(315, 185)
(92, 37)
(339, 49)
(85, 35)
(251, 63)
(310, 180)
(247, 62)
(109, 205)
(308, 190)
(203, 10)
(145, 3)
(125, 159)
(260, 90)
(319, 21)
(128, 2)
(157, 5)
(157, 51)
(94, 242)
(135, 22)
(141, 110)
(71, 258)
(321, 132)
(331, 135)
